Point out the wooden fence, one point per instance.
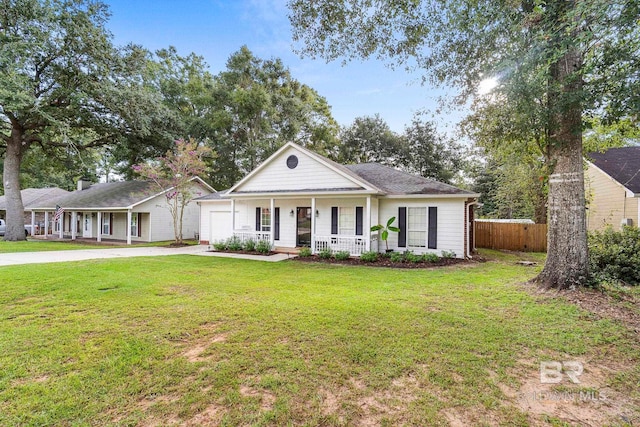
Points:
(509, 236)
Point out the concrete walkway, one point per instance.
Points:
(19, 258)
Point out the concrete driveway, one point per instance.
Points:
(19, 258)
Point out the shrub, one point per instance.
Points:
(396, 257)
(234, 243)
(325, 253)
(263, 246)
(304, 253)
(615, 255)
(249, 245)
(430, 257)
(448, 254)
(220, 245)
(342, 255)
(370, 256)
(411, 257)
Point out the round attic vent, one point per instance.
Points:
(292, 162)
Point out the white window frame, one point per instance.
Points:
(265, 219)
(134, 224)
(417, 230)
(346, 220)
(106, 221)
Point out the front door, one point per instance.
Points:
(87, 225)
(303, 227)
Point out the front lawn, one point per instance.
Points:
(191, 340)
(38, 245)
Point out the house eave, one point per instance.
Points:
(431, 196)
(298, 194)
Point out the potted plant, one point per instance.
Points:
(385, 231)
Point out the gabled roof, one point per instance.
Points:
(395, 183)
(34, 196)
(212, 196)
(110, 195)
(621, 164)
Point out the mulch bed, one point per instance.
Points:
(385, 262)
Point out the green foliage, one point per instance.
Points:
(370, 256)
(615, 255)
(325, 254)
(249, 245)
(413, 258)
(448, 254)
(305, 252)
(263, 246)
(430, 257)
(342, 255)
(386, 229)
(220, 245)
(234, 243)
(369, 139)
(396, 257)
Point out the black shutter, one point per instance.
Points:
(110, 224)
(258, 210)
(359, 217)
(139, 224)
(402, 225)
(334, 220)
(433, 228)
(276, 231)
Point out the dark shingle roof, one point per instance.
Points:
(395, 182)
(212, 196)
(105, 195)
(621, 164)
(35, 196)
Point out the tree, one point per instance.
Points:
(64, 84)
(577, 56)
(369, 139)
(175, 171)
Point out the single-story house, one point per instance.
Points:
(298, 198)
(125, 210)
(612, 182)
(32, 197)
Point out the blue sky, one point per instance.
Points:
(217, 28)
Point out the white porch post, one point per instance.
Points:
(367, 225)
(61, 226)
(74, 225)
(99, 235)
(313, 225)
(233, 215)
(46, 224)
(272, 225)
(128, 226)
(150, 227)
(33, 223)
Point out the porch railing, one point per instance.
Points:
(355, 245)
(245, 235)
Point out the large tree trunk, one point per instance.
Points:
(11, 180)
(567, 254)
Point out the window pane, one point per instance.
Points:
(265, 219)
(347, 221)
(417, 227)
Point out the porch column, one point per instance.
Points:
(128, 226)
(99, 235)
(61, 226)
(33, 223)
(46, 224)
(74, 225)
(367, 225)
(313, 225)
(272, 226)
(233, 215)
(151, 228)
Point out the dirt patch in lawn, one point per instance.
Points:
(207, 335)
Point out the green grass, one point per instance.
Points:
(37, 245)
(200, 340)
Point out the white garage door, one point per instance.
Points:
(220, 226)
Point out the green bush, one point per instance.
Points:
(304, 253)
(411, 257)
(263, 246)
(234, 243)
(220, 245)
(396, 257)
(430, 257)
(370, 256)
(342, 255)
(448, 254)
(615, 255)
(249, 245)
(325, 253)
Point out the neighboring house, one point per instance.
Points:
(32, 197)
(126, 210)
(298, 198)
(613, 188)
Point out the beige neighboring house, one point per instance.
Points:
(613, 188)
(131, 211)
(32, 197)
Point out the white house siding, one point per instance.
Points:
(308, 174)
(450, 234)
(608, 201)
(206, 210)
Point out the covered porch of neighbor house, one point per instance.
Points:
(123, 225)
(338, 223)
